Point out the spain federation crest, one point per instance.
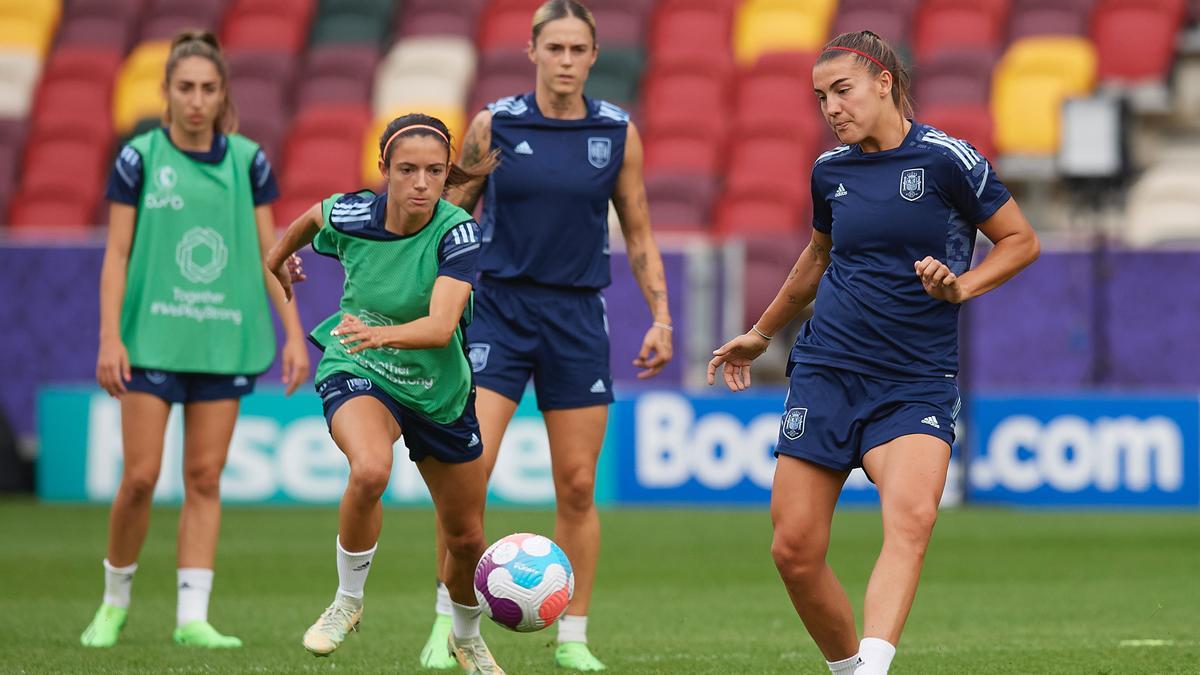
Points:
(912, 184)
(793, 423)
(478, 352)
(599, 151)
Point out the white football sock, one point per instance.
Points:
(572, 628)
(352, 571)
(118, 581)
(877, 656)
(845, 666)
(465, 620)
(443, 599)
(195, 584)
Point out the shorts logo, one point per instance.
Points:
(599, 151)
(156, 377)
(359, 384)
(793, 423)
(240, 381)
(912, 184)
(478, 354)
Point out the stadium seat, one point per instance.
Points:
(956, 77)
(680, 203)
(887, 21)
(324, 163)
(54, 209)
(266, 131)
(1031, 18)
(956, 26)
(346, 27)
(28, 25)
(256, 65)
(619, 27)
(1163, 207)
(682, 152)
(689, 30)
(616, 75)
(437, 18)
(768, 259)
(138, 89)
(413, 91)
(262, 30)
(775, 164)
(794, 110)
(88, 29)
(505, 28)
(1135, 40)
(765, 28)
(451, 58)
(757, 211)
(689, 100)
(43, 166)
(971, 122)
(60, 100)
(19, 72)
(337, 74)
(1031, 81)
(165, 18)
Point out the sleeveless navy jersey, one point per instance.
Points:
(885, 211)
(545, 210)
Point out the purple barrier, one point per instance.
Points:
(1036, 329)
(52, 301)
(1153, 319)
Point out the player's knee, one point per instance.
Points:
(465, 541)
(797, 557)
(370, 479)
(202, 482)
(138, 485)
(576, 492)
(912, 525)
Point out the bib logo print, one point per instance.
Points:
(201, 255)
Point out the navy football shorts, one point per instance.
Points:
(557, 336)
(452, 443)
(176, 387)
(833, 416)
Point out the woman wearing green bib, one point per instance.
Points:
(394, 364)
(184, 319)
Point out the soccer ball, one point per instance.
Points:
(524, 582)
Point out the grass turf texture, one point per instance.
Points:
(679, 591)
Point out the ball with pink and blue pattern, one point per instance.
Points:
(524, 582)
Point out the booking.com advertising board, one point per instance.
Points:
(666, 447)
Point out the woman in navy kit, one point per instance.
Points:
(895, 213)
(539, 310)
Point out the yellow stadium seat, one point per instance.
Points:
(454, 118)
(29, 24)
(825, 8)
(137, 93)
(777, 28)
(1031, 82)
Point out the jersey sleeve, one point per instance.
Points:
(326, 241)
(263, 185)
(976, 192)
(459, 252)
(822, 220)
(125, 180)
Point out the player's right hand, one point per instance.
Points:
(112, 367)
(736, 355)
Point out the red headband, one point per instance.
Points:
(410, 127)
(862, 54)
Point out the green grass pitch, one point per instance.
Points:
(678, 591)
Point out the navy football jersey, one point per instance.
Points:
(885, 211)
(545, 209)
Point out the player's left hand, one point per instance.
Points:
(295, 268)
(939, 282)
(655, 353)
(295, 364)
(356, 335)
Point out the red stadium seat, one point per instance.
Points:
(961, 77)
(684, 98)
(256, 30)
(792, 105)
(771, 163)
(301, 10)
(758, 211)
(506, 25)
(1048, 17)
(437, 17)
(681, 151)
(1135, 39)
(52, 159)
(689, 30)
(494, 87)
(768, 260)
(889, 22)
(943, 26)
(344, 122)
(57, 210)
(680, 203)
(104, 30)
(969, 122)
